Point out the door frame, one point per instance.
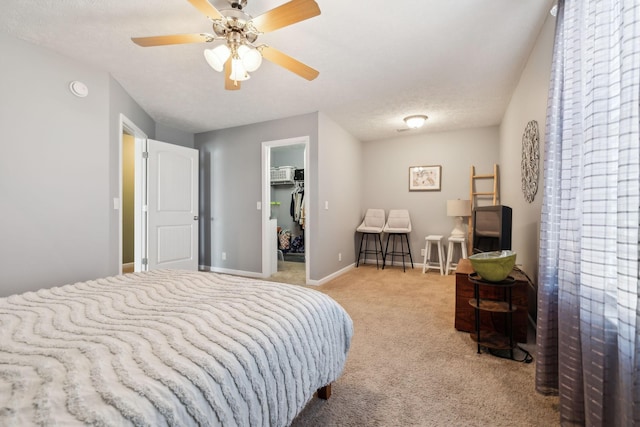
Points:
(129, 127)
(267, 239)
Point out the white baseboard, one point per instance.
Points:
(371, 261)
(252, 274)
(260, 276)
(395, 263)
(331, 276)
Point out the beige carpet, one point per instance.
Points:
(290, 272)
(408, 366)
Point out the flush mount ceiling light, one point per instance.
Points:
(415, 121)
(239, 55)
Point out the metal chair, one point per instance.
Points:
(398, 225)
(371, 227)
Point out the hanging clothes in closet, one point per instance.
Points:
(297, 203)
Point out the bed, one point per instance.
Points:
(168, 348)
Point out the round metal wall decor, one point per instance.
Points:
(530, 160)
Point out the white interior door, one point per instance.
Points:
(172, 205)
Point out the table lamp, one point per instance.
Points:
(458, 209)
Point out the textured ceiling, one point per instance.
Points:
(379, 61)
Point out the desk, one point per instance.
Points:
(465, 313)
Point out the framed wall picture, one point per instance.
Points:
(425, 178)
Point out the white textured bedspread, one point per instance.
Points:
(167, 348)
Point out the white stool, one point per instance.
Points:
(451, 266)
(427, 263)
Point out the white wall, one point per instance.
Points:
(529, 102)
(386, 175)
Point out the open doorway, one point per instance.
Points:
(158, 203)
(286, 210)
(132, 221)
(128, 202)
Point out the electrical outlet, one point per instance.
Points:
(340, 256)
(422, 252)
(224, 256)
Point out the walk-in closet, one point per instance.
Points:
(287, 202)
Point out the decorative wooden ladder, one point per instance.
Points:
(474, 195)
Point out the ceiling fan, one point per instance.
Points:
(240, 55)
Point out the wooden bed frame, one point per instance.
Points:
(324, 393)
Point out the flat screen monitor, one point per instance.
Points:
(491, 228)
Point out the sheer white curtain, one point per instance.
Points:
(588, 345)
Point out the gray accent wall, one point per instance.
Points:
(386, 176)
(528, 102)
(174, 136)
(120, 103)
(58, 170)
(53, 171)
(231, 186)
(59, 174)
(339, 187)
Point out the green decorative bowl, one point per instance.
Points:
(493, 266)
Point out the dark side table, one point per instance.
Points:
(465, 313)
(490, 338)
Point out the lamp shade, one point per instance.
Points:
(238, 72)
(217, 56)
(251, 58)
(458, 207)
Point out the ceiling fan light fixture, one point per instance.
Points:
(415, 121)
(251, 58)
(238, 72)
(238, 55)
(217, 56)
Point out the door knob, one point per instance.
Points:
(195, 218)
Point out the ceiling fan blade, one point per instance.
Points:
(228, 83)
(206, 9)
(285, 61)
(173, 39)
(286, 14)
